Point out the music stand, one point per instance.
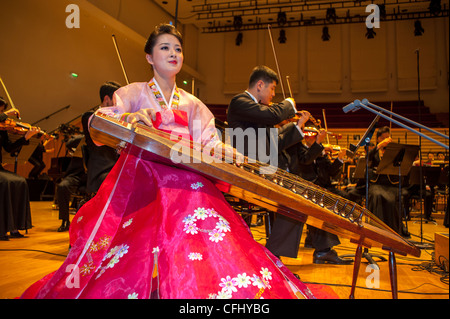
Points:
(397, 160)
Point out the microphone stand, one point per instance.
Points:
(357, 104)
(365, 141)
(50, 115)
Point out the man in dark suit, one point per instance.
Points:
(309, 162)
(253, 113)
(99, 159)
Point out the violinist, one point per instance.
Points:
(310, 161)
(15, 211)
(254, 110)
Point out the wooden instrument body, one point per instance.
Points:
(308, 203)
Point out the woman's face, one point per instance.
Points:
(167, 57)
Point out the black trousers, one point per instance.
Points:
(286, 235)
(65, 189)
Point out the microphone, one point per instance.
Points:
(354, 106)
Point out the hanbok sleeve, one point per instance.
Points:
(204, 133)
(124, 100)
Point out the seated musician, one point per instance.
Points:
(15, 211)
(383, 189)
(100, 159)
(413, 189)
(310, 161)
(36, 158)
(161, 231)
(253, 110)
(74, 178)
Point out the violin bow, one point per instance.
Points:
(120, 59)
(9, 98)
(325, 123)
(276, 60)
(289, 86)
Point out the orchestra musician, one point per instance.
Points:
(100, 159)
(158, 231)
(383, 189)
(74, 178)
(251, 110)
(36, 158)
(15, 211)
(310, 160)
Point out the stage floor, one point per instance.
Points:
(26, 260)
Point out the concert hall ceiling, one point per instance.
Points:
(232, 15)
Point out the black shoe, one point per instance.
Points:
(64, 226)
(4, 238)
(329, 257)
(16, 234)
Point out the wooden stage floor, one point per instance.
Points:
(26, 260)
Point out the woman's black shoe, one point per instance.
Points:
(16, 234)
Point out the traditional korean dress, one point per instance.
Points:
(157, 231)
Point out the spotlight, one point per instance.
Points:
(370, 34)
(281, 19)
(237, 22)
(435, 7)
(418, 30)
(325, 34)
(239, 39)
(282, 38)
(331, 15)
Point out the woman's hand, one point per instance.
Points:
(144, 115)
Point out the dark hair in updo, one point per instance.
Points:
(159, 30)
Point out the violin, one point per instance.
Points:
(316, 131)
(21, 128)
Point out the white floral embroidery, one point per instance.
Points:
(195, 256)
(223, 226)
(134, 295)
(257, 281)
(201, 213)
(155, 250)
(213, 213)
(243, 280)
(196, 185)
(189, 219)
(267, 275)
(229, 284)
(224, 294)
(216, 235)
(116, 253)
(127, 223)
(191, 229)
